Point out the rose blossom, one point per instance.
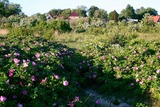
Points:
(24, 92)
(28, 48)
(37, 55)
(76, 99)
(33, 63)
(65, 83)
(20, 105)
(3, 98)
(97, 102)
(56, 76)
(158, 71)
(16, 61)
(11, 72)
(25, 64)
(33, 78)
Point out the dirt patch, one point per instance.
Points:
(105, 101)
(3, 31)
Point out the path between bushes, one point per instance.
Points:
(104, 101)
(3, 31)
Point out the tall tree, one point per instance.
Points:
(7, 9)
(3, 5)
(91, 10)
(113, 15)
(55, 12)
(142, 11)
(82, 7)
(81, 12)
(65, 13)
(128, 12)
(100, 13)
(1, 9)
(12, 9)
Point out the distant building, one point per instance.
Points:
(73, 16)
(48, 16)
(132, 20)
(155, 18)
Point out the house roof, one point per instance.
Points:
(155, 18)
(74, 14)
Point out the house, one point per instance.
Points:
(155, 18)
(132, 20)
(73, 16)
(48, 16)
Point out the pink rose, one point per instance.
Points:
(65, 83)
(3, 98)
(16, 61)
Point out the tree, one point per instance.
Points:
(60, 25)
(12, 9)
(65, 13)
(128, 12)
(91, 10)
(82, 7)
(3, 4)
(39, 17)
(55, 12)
(100, 13)
(142, 11)
(113, 15)
(81, 12)
(147, 20)
(7, 9)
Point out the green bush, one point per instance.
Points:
(37, 72)
(133, 68)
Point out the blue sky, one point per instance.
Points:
(31, 7)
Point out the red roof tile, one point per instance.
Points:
(155, 18)
(74, 14)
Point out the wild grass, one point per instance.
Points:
(149, 36)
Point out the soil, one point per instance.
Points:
(104, 101)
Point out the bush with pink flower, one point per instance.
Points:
(35, 73)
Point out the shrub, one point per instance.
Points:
(36, 72)
(133, 68)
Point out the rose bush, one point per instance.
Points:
(33, 72)
(133, 68)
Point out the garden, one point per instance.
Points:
(47, 64)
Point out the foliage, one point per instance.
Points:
(81, 12)
(113, 15)
(65, 13)
(33, 74)
(35, 70)
(100, 13)
(132, 69)
(142, 11)
(128, 12)
(148, 25)
(92, 10)
(55, 12)
(59, 25)
(112, 58)
(8, 8)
